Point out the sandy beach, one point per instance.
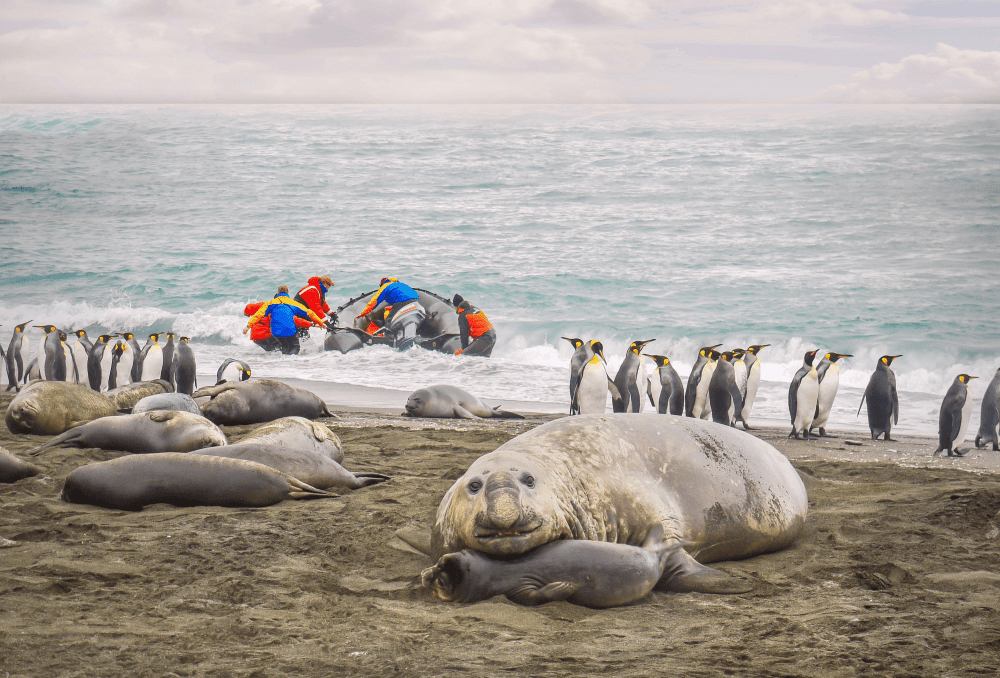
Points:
(897, 573)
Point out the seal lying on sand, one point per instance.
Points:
(128, 395)
(143, 433)
(177, 402)
(51, 407)
(721, 493)
(590, 573)
(182, 479)
(447, 401)
(258, 401)
(299, 433)
(13, 468)
(307, 465)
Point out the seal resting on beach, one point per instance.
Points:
(446, 402)
(579, 571)
(720, 493)
(258, 401)
(178, 402)
(182, 479)
(13, 468)
(51, 407)
(301, 434)
(142, 433)
(308, 466)
(128, 395)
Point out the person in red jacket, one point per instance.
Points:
(313, 295)
(478, 335)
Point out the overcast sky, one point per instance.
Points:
(473, 51)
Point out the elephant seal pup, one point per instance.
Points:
(306, 465)
(446, 402)
(258, 401)
(583, 572)
(177, 402)
(51, 407)
(301, 434)
(13, 468)
(721, 493)
(143, 433)
(182, 479)
(128, 395)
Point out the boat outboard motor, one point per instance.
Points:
(403, 323)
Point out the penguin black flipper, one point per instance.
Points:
(895, 405)
(617, 403)
(734, 391)
(862, 403)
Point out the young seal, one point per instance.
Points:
(451, 402)
(13, 468)
(178, 402)
(259, 401)
(306, 465)
(590, 573)
(182, 479)
(301, 434)
(51, 407)
(721, 493)
(143, 433)
(128, 395)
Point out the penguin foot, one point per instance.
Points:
(959, 453)
(889, 440)
(978, 440)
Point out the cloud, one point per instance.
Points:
(946, 75)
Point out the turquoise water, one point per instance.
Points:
(864, 230)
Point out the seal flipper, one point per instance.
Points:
(529, 594)
(503, 414)
(462, 413)
(414, 538)
(684, 574)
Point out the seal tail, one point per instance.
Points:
(300, 490)
(501, 414)
(366, 479)
(66, 436)
(327, 413)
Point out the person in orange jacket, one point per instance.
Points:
(478, 335)
(313, 295)
(283, 310)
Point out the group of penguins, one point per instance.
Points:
(113, 360)
(723, 385)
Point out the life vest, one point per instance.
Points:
(478, 324)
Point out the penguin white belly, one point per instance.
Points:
(641, 382)
(124, 374)
(106, 358)
(653, 386)
(152, 365)
(805, 401)
(827, 392)
(233, 372)
(592, 393)
(702, 407)
(753, 381)
(25, 358)
(80, 358)
(72, 374)
(740, 368)
(42, 360)
(966, 416)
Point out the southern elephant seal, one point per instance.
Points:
(308, 466)
(178, 402)
(301, 434)
(128, 395)
(582, 572)
(722, 493)
(142, 433)
(13, 468)
(182, 479)
(51, 407)
(258, 401)
(447, 401)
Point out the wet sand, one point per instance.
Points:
(897, 573)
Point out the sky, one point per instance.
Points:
(499, 51)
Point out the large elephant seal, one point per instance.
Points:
(51, 407)
(583, 572)
(143, 433)
(722, 493)
(128, 395)
(301, 434)
(452, 402)
(13, 468)
(258, 401)
(308, 466)
(182, 479)
(177, 402)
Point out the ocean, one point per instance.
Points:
(856, 229)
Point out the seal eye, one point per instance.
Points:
(529, 481)
(475, 486)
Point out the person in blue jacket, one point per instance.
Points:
(282, 311)
(390, 293)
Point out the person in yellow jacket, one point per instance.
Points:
(282, 311)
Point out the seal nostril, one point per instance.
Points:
(504, 509)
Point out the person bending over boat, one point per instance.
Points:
(478, 335)
(313, 296)
(282, 310)
(379, 307)
(260, 332)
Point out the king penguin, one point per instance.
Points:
(724, 392)
(829, 381)
(168, 359)
(81, 355)
(741, 371)
(956, 410)
(183, 372)
(151, 358)
(803, 393)
(117, 350)
(99, 362)
(130, 339)
(631, 378)
(17, 357)
(72, 373)
(51, 357)
(591, 396)
(581, 356)
(233, 370)
(883, 401)
(753, 381)
(671, 396)
(126, 362)
(989, 415)
(696, 395)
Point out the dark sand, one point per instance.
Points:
(897, 574)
